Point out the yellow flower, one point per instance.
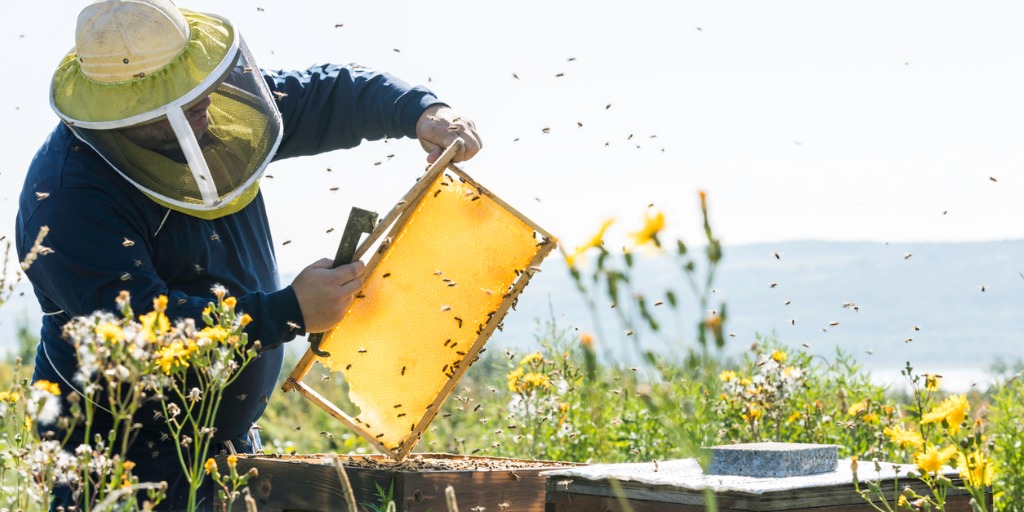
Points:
(727, 376)
(953, 410)
(595, 241)
(246, 320)
(232, 461)
(174, 356)
(870, 418)
(649, 233)
(779, 356)
(931, 460)
(534, 380)
(28, 423)
(536, 356)
(513, 378)
(215, 333)
(857, 408)
(160, 303)
(745, 381)
(587, 340)
(975, 469)
(932, 381)
(154, 323)
(210, 466)
(753, 413)
(45, 385)
(128, 465)
(793, 417)
(903, 437)
(109, 332)
(9, 396)
(230, 302)
(902, 502)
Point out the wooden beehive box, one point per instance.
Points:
(680, 486)
(310, 483)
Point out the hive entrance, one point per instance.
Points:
(453, 262)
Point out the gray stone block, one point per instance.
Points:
(773, 460)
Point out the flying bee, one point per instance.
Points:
(330, 230)
(286, 242)
(280, 95)
(293, 325)
(42, 195)
(772, 284)
(247, 69)
(362, 350)
(833, 324)
(546, 130)
(658, 303)
(128, 242)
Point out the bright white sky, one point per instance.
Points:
(801, 119)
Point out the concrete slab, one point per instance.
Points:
(773, 460)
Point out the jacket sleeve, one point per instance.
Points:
(101, 247)
(332, 107)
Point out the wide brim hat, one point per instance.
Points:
(79, 98)
(173, 100)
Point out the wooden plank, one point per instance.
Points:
(578, 495)
(310, 484)
(569, 502)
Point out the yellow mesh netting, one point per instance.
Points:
(425, 304)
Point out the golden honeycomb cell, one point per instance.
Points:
(428, 305)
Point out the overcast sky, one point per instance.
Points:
(866, 120)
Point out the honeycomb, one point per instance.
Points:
(425, 303)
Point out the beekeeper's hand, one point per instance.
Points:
(325, 293)
(439, 126)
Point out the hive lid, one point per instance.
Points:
(452, 264)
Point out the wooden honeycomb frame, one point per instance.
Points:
(394, 222)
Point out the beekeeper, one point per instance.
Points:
(151, 184)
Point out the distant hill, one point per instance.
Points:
(938, 288)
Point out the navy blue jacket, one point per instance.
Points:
(91, 211)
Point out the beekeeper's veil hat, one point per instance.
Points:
(171, 99)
